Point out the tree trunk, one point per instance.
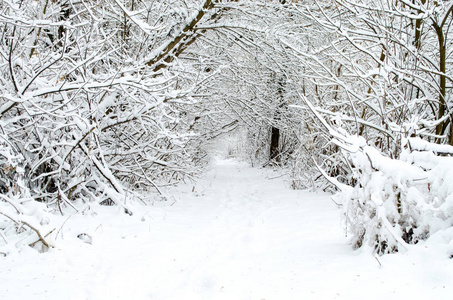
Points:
(440, 129)
(275, 138)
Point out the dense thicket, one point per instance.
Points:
(377, 86)
(89, 115)
(107, 102)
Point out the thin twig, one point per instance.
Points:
(58, 232)
(380, 265)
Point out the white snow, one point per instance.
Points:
(240, 233)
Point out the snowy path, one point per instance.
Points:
(236, 236)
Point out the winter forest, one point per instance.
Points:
(111, 105)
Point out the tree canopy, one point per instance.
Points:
(107, 102)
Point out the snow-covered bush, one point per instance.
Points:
(23, 221)
(389, 203)
(396, 202)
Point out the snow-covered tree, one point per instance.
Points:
(96, 108)
(378, 71)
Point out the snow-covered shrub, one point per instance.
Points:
(23, 221)
(396, 202)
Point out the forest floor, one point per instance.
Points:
(239, 233)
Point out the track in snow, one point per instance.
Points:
(235, 235)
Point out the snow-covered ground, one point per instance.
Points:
(237, 234)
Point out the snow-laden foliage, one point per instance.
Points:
(396, 202)
(392, 202)
(106, 102)
(23, 220)
(87, 114)
(378, 71)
